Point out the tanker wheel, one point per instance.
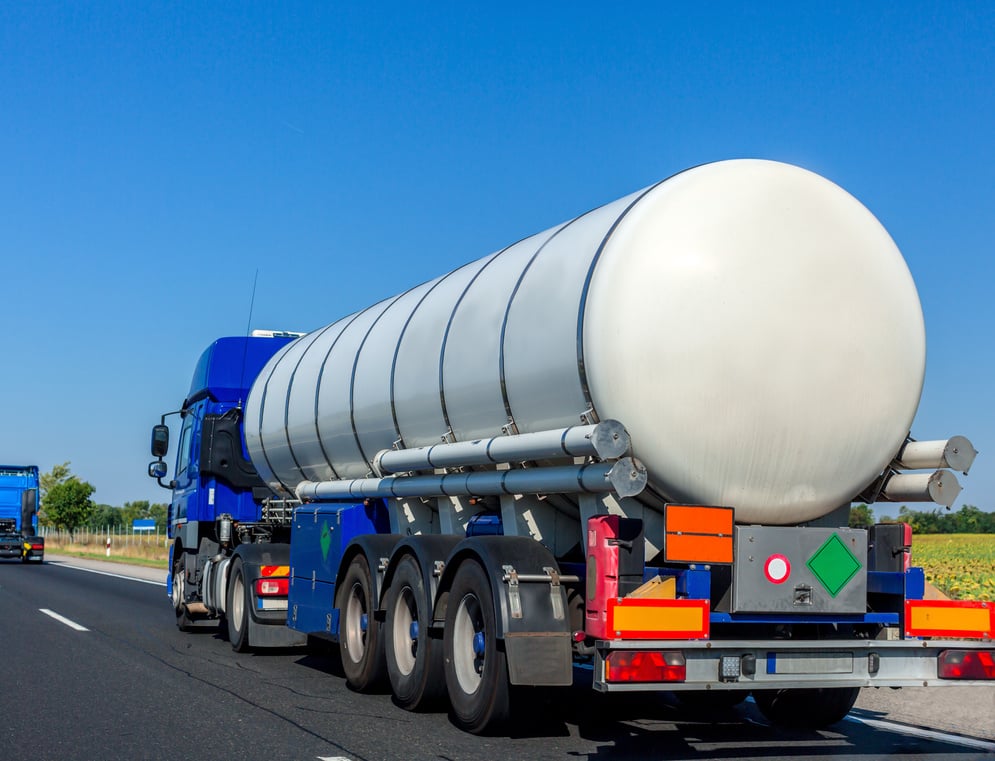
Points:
(414, 660)
(237, 616)
(360, 642)
(806, 708)
(183, 621)
(476, 669)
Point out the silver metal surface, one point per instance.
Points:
(799, 590)
(941, 487)
(713, 313)
(606, 440)
(956, 452)
(625, 477)
(875, 663)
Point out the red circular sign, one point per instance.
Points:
(777, 569)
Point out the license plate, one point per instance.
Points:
(809, 663)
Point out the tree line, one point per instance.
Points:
(66, 504)
(968, 520)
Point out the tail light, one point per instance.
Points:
(966, 664)
(645, 666)
(272, 587)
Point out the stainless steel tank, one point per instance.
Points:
(751, 324)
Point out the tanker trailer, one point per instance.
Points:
(628, 442)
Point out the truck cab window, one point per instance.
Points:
(186, 444)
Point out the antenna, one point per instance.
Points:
(248, 332)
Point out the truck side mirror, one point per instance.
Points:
(157, 469)
(160, 441)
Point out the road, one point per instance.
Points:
(132, 686)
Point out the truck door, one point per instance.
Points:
(185, 488)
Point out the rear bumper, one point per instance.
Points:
(781, 664)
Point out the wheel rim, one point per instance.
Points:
(355, 634)
(237, 602)
(177, 589)
(467, 664)
(405, 646)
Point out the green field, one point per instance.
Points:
(960, 565)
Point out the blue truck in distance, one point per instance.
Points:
(19, 485)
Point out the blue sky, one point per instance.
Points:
(155, 155)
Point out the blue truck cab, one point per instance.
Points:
(19, 538)
(227, 530)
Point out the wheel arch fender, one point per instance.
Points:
(531, 619)
(376, 548)
(253, 557)
(525, 556)
(427, 550)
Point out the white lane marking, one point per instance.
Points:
(64, 620)
(334, 758)
(114, 575)
(925, 734)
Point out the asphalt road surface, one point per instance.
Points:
(93, 667)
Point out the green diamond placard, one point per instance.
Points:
(833, 565)
(326, 541)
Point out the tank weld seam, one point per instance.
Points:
(317, 388)
(262, 408)
(397, 351)
(286, 411)
(581, 365)
(507, 313)
(449, 325)
(352, 377)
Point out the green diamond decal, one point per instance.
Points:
(326, 541)
(833, 564)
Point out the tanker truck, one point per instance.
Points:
(622, 450)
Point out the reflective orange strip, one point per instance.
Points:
(949, 618)
(698, 520)
(274, 570)
(657, 619)
(693, 548)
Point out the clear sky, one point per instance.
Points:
(154, 155)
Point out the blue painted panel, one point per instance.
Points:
(310, 609)
(915, 584)
(321, 532)
(885, 582)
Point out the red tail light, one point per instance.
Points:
(37, 546)
(966, 664)
(645, 666)
(272, 587)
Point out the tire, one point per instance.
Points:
(237, 616)
(360, 635)
(476, 668)
(806, 708)
(414, 663)
(183, 621)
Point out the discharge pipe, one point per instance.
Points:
(606, 440)
(956, 452)
(626, 477)
(941, 487)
